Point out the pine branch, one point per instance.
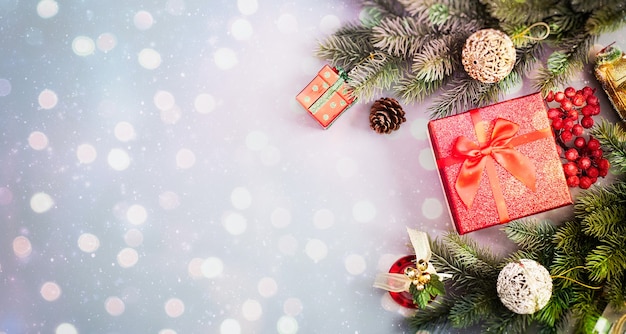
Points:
(570, 240)
(531, 234)
(520, 12)
(504, 321)
(374, 75)
(433, 318)
(345, 50)
(586, 310)
(557, 307)
(472, 308)
(600, 197)
(613, 139)
(606, 221)
(436, 61)
(379, 9)
(589, 6)
(436, 12)
(460, 94)
(606, 19)
(411, 90)
(608, 260)
(616, 291)
(401, 36)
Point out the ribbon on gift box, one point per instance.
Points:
(401, 282)
(330, 92)
(478, 157)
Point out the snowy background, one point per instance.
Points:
(158, 176)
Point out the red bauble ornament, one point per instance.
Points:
(403, 298)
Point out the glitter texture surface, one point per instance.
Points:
(520, 201)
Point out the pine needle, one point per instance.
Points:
(613, 139)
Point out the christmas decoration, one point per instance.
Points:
(610, 70)
(412, 282)
(524, 286)
(417, 46)
(612, 321)
(511, 145)
(583, 158)
(327, 95)
(488, 55)
(386, 115)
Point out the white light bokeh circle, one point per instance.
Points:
(86, 153)
(316, 250)
(251, 310)
(355, 264)
(88, 242)
(174, 307)
(280, 217)
(225, 58)
(247, 7)
(292, 306)
(194, 268)
(212, 267)
(432, 208)
(164, 100)
(172, 115)
(167, 331)
(287, 325)
(230, 326)
(149, 59)
(235, 223)
(241, 29)
(114, 306)
(364, 211)
(50, 291)
(47, 99)
(256, 140)
(127, 257)
(169, 200)
(185, 158)
(118, 159)
(41, 202)
(241, 198)
(38, 140)
(133, 237)
(83, 46)
(47, 8)
(136, 214)
(5, 87)
(22, 247)
(323, 219)
(143, 20)
(426, 159)
(419, 128)
(106, 42)
(267, 287)
(124, 131)
(204, 103)
(66, 328)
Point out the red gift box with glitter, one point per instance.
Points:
(498, 163)
(326, 96)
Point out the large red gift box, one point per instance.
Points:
(498, 163)
(326, 96)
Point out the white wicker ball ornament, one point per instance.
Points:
(524, 286)
(488, 55)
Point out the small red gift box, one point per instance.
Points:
(326, 96)
(498, 163)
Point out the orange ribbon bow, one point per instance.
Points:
(500, 148)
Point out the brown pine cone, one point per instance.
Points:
(386, 115)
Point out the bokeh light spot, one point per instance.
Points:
(47, 99)
(6, 196)
(127, 257)
(143, 20)
(41, 202)
(133, 237)
(235, 223)
(86, 153)
(106, 42)
(38, 140)
(287, 325)
(241, 29)
(149, 59)
(432, 208)
(251, 310)
(212, 267)
(88, 242)
(267, 287)
(247, 7)
(114, 306)
(316, 249)
(5, 87)
(241, 198)
(169, 200)
(22, 247)
(174, 307)
(280, 217)
(204, 103)
(124, 131)
(225, 58)
(164, 100)
(323, 219)
(47, 8)
(426, 159)
(50, 291)
(230, 326)
(118, 159)
(66, 328)
(194, 268)
(292, 306)
(83, 46)
(185, 158)
(136, 214)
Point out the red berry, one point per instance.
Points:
(557, 124)
(584, 163)
(579, 142)
(558, 97)
(587, 91)
(593, 144)
(603, 164)
(566, 136)
(570, 168)
(586, 122)
(577, 130)
(587, 110)
(578, 100)
(559, 150)
(603, 172)
(593, 172)
(570, 92)
(550, 96)
(568, 124)
(596, 109)
(571, 154)
(567, 105)
(597, 154)
(554, 113)
(573, 114)
(572, 181)
(584, 182)
(592, 99)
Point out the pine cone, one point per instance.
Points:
(386, 115)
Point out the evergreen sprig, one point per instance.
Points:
(613, 139)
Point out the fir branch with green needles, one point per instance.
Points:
(613, 139)
(424, 39)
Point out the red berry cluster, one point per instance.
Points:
(584, 161)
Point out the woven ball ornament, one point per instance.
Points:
(488, 55)
(525, 286)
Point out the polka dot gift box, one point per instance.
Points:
(498, 163)
(326, 96)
